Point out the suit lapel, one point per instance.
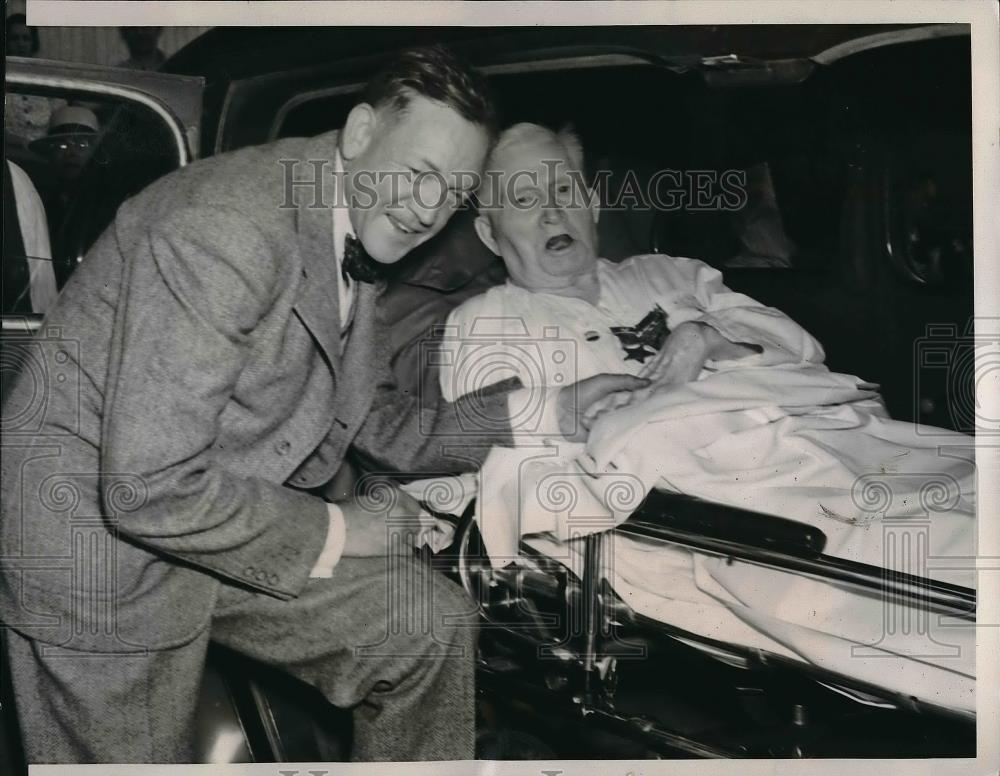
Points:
(318, 305)
(357, 384)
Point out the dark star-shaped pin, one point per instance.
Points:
(638, 353)
(645, 338)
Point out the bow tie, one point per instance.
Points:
(357, 264)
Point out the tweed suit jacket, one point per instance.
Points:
(196, 386)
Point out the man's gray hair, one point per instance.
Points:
(526, 132)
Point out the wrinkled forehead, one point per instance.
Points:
(540, 156)
(430, 135)
(532, 163)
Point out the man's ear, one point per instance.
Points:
(485, 231)
(358, 131)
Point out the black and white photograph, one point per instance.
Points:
(549, 385)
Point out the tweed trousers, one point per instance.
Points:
(391, 640)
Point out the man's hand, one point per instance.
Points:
(574, 401)
(682, 356)
(373, 530)
(686, 350)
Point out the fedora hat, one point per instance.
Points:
(67, 122)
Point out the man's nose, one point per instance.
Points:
(425, 212)
(553, 213)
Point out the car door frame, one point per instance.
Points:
(176, 99)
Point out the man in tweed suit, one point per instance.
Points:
(209, 366)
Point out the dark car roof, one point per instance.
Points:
(228, 53)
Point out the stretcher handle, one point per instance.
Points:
(731, 524)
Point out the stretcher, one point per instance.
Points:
(572, 625)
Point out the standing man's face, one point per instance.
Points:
(408, 172)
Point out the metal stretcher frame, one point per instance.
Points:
(598, 607)
(932, 595)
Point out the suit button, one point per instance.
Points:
(283, 447)
(273, 579)
(249, 571)
(260, 576)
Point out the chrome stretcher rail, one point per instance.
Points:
(933, 595)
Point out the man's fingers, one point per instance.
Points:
(604, 403)
(654, 367)
(574, 400)
(601, 385)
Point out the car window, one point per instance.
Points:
(770, 146)
(315, 116)
(83, 155)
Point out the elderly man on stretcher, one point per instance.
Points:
(739, 409)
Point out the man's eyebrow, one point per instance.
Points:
(434, 168)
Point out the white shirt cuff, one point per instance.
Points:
(336, 538)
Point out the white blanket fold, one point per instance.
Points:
(795, 441)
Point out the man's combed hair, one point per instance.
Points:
(437, 73)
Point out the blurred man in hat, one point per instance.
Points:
(67, 146)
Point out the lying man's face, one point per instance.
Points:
(542, 226)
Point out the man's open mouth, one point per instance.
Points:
(558, 243)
